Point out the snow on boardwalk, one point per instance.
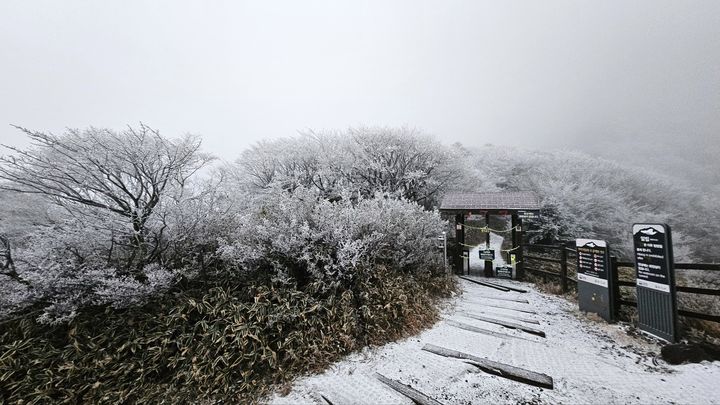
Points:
(590, 362)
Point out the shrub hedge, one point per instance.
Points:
(211, 341)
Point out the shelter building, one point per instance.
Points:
(463, 207)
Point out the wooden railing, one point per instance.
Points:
(551, 261)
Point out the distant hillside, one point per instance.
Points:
(588, 196)
(691, 162)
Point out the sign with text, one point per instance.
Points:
(592, 261)
(595, 289)
(474, 217)
(655, 280)
(504, 272)
(487, 254)
(522, 214)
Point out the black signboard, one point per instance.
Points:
(655, 280)
(487, 254)
(503, 272)
(528, 214)
(595, 289)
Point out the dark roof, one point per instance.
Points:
(506, 200)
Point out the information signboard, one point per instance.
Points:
(504, 272)
(522, 214)
(487, 254)
(655, 280)
(595, 289)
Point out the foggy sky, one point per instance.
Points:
(535, 73)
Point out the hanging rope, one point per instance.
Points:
(483, 244)
(481, 228)
(488, 229)
(471, 246)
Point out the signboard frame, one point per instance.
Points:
(596, 288)
(503, 272)
(528, 214)
(655, 280)
(486, 254)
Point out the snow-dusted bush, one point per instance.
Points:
(68, 265)
(120, 218)
(585, 196)
(78, 260)
(398, 162)
(301, 234)
(126, 174)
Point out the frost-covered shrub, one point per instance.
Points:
(78, 260)
(124, 174)
(585, 196)
(119, 216)
(188, 228)
(398, 162)
(301, 234)
(14, 297)
(62, 289)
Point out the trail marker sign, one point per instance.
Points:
(487, 254)
(503, 272)
(595, 283)
(655, 280)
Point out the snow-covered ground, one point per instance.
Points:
(476, 265)
(590, 361)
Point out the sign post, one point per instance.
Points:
(595, 283)
(466, 261)
(655, 280)
(443, 239)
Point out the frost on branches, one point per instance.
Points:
(298, 234)
(109, 206)
(397, 162)
(100, 217)
(123, 218)
(585, 196)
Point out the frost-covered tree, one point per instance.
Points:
(586, 196)
(398, 162)
(123, 218)
(191, 225)
(125, 174)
